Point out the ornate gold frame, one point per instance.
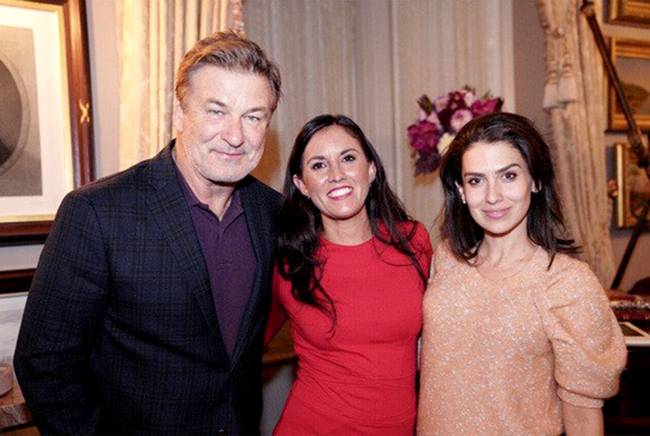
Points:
(633, 187)
(631, 12)
(628, 48)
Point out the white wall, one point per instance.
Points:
(104, 73)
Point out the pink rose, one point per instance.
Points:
(457, 100)
(460, 118)
(423, 136)
(470, 98)
(486, 106)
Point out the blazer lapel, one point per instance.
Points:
(169, 207)
(259, 227)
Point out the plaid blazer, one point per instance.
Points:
(119, 333)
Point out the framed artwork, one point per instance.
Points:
(632, 12)
(632, 61)
(633, 187)
(45, 129)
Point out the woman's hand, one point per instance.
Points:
(582, 421)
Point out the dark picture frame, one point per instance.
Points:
(77, 167)
(632, 61)
(630, 12)
(16, 281)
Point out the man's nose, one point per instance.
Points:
(233, 133)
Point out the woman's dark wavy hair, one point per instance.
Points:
(545, 221)
(300, 223)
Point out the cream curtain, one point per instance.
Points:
(574, 98)
(371, 60)
(153, 36)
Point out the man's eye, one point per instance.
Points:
(254, 118)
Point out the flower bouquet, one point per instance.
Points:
(439, 121)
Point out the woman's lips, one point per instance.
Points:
(496, 213)
(340, 192)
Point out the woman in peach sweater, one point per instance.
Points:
(518, 335)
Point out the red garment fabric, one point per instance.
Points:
(360, 377)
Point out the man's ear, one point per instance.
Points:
(178, 115)
(297, 181)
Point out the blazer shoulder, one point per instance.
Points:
(115, 186)
(261, 192)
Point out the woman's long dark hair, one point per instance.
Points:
(300, 223)
(545, 221)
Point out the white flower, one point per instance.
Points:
(441, 102)
(470, 98)
(443, 143)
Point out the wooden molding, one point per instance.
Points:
(16, 281)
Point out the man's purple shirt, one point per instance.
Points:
(229, 257)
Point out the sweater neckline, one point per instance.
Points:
(525, 267)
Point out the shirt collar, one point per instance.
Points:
(235, 207)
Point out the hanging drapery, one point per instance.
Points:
(575, 101)
(153, 37)
(372, 60)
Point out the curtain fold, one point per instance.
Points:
(575, 101)
(153, 37)
(372, 60)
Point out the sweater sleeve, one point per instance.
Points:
(588, 346)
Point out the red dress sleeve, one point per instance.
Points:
(277, 314)
(422, 247)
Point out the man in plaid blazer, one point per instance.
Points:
(147, 310)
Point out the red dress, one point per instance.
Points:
(360, 379)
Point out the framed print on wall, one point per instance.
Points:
(633, 187)
(45, 129)
(632, 61)
(632, 12)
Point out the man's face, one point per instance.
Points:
(221, 124)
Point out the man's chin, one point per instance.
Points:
(228, 179)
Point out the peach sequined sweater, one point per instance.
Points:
(498, 356)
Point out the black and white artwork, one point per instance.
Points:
(20, 148)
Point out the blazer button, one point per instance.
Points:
(221, 431)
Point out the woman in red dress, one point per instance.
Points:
(350, 279)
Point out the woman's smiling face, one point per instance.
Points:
(336, 175)
(497, 187)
